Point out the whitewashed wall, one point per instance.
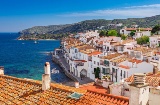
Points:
(154, 96)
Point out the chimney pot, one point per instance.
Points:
(1, 70)
(47, 68)
(77, 84)
(139, 78)
(155, 70)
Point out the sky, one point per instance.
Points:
(16, 15)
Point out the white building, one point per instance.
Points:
(154, 41)
(138, 31)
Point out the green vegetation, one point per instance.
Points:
(123, 37)
(108, 33)
(59, 31)
(112, 33)
(155, 29)
(132, 33)
(142, 40)
(103, 33)
(96, 72)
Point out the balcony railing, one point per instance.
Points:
(80, 64)
(89, 59)
(101, 63)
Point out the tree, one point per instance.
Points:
(97, 71)
(112, 33)
(156, 29)
(143, 40)
(102, 33)
(107, 33)
(123, 37)
(132, 33)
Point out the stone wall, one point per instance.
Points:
(56, 60)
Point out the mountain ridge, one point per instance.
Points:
(59, 31)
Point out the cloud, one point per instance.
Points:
(133, 11)
(146, 6)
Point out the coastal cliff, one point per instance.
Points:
(59, 31)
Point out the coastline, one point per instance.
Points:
(47, 39)
(39, 39)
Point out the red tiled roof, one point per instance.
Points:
(152, 80)
(80, 60)
(94, 53)
(20, 91)
(94, 88)
(125, 67)
(135, 60)
(145, 29)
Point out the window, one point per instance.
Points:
(98, 63)
(121, 73)
(75, 50)
(113, 70)
(124, 74)
(108, 70)
(106, 62)
(105, 70)
(94, 62)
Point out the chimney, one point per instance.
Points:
(77, 84)
(139, 78)
(45, 82)
(155, 70)
(1, 70)
(46, 79)
(47, 68)
(139, 89)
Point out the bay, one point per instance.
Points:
(25, 59)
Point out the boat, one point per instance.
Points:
(54, 71)
(35, 42)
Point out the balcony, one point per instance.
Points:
(89, 58)
(101, 63)
(75, 58)
(80, 64)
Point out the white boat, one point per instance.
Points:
(54, 71)
(35, 42)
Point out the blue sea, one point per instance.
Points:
(24, 59)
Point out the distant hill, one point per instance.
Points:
(59, 31)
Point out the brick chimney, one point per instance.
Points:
(139, 90)
(1, 70)
(46, 80)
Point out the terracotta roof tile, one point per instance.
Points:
(125, 67)
(111, 56)
(152, 80)
(135, 60)
(146, 29)
(21, 91)
(95, 88)
(94, 53)
(80, 60)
